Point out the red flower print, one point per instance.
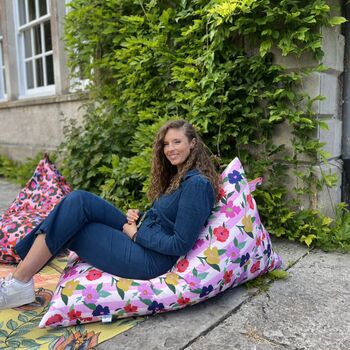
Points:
(74, 315)
(255, 267)
(94, 275)
(130, 308)
(228, 276)
(258, 241)
(183, 301)
(250, 201)
(182, 265)
(57, 318)
(221, 233)
(222, 193)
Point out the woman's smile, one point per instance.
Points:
(177, 147)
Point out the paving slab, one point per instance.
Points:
(8, 192)
(180, 329)
(308, 311)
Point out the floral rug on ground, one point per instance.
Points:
(19, 326)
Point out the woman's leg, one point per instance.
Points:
(37, 257)
(69, 217)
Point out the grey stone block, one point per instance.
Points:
(331, 137)
(328, 198)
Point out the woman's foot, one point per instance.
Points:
(14, 293)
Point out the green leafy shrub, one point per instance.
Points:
(211, 63)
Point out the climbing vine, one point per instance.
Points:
(212, 63)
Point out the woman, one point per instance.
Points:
(184, 186)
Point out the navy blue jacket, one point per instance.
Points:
(174, 222)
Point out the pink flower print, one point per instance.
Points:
(90, 295)
(192, 281)
(145, 291)
(232, 251)
(230, 210)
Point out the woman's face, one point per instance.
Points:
(177, 147)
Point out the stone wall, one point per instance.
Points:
(327, 84)
(33, 126)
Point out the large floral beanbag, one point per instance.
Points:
(233, 248)
(34, 202)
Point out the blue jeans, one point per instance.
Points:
(92, 227)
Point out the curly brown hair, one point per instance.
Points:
(165, 177)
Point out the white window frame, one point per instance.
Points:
(3, 92)
(25, 92)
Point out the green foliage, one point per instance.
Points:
(19, 172)
(262, 283)
(210, 62)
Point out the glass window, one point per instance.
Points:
(35, 36)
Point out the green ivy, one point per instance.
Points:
(212, 63)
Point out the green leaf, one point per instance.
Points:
(23, 318)
(121, 293)
(90, 306)
(29, 343)
(215, 267)
(11, 324)
(99, 287)
(265, 47)
(336, 20)
(104, 294)
(171, 287)
(80, 287)
(64, 298)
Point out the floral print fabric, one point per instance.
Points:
(33, 203)
(233, 248)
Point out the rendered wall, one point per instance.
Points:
(30, 127)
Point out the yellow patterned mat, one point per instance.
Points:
(19, 327)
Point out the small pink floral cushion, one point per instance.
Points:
(33, 203)
(233, 248)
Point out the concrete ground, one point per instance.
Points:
(309, 310)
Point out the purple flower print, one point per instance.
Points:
(206, 291)
(244, 259)
(230, 210)
(198, 243)
(145, 291)
(155, 306)
(234, 177)
(192, 281)
(232, 251)
(90, 295)
(100, 310)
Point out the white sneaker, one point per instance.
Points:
(15, 293)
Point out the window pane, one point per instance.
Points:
(22, 16)
(31, 10)
(49, 70)
(37, 39)
(42, 8)
(47, 35)
(29, 72)
(27, 43)
(39, 72)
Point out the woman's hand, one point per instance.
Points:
(130, 229)
(132, 215)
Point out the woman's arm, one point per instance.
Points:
(195, 205)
